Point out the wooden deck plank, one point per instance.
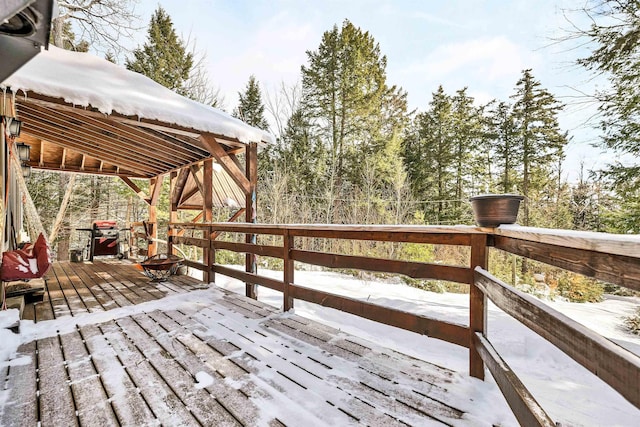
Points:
(21, 406)
(29, 312)
(105, 273)
(311, 375)
(100, 286)
(135, 281)
(378, 366)
(88, 296)
(204, 408)
(164, 403)
(55, 296)
(168, 333)
(74, 300)
(92, 405)
(43, 310)
(143, 369)
(313, 380)
(84, 293)
(56, 404)
(128, 404)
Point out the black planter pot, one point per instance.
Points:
(491, 210)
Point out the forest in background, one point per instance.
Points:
(349, 150)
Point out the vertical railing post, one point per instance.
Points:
(207, 215)
(288, 245)
(211, 255)
(173, 211)
(251, 166)
(477, 304)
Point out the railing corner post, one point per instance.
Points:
(477, 304)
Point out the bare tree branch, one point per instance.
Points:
(104, 24)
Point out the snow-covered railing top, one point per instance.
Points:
(83, 79)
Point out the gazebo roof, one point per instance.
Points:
(81, 113)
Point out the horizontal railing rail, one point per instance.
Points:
(615, 365)
(612, 258)
(140, 232)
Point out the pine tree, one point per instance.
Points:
(615, 32)
(540, 140)
(250, 106)
(302, 156)
(506, 150)
(344, 85)
(430, 158)
(164, 57)
(466, 135)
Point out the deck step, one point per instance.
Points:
(16, 302)
(19, 287)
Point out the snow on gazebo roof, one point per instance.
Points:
(86, 80)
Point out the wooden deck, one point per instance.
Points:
(213, 359)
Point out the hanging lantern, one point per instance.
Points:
(14, 125)
(24, 151)
(26, 171)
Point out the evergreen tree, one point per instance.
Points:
(442, 153)
(430, 158)
(250, 107)
(615, 32)
(344, 86)
(466, 135)
(539, 137)
(507, 151)
(302, 156)
(585, 204)
(164, 57)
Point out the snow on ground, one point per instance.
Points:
(571, 394)
(567, 391)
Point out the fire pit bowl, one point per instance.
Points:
(491, 210)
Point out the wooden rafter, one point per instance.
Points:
(132, 185)
(181, 180)
(189, 194)
(67, 139)
(103, 143)
(64, 158)
(41, 153)
(194, 173)
(155, 185)
(226, 162)
(59, 104)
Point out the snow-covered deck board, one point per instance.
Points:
(225, 360)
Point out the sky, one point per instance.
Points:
(482, 45)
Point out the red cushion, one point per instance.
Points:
(42, 252)
(27, 263)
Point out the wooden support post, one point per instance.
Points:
(173, 211)
(155, 184)
(251, 163)
(477, 305)
(208, 254)
(152, 244)
(288, 270)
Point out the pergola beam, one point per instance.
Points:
(226, 162)
(136, 189)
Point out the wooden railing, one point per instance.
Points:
(140, 232)
(613, 258)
